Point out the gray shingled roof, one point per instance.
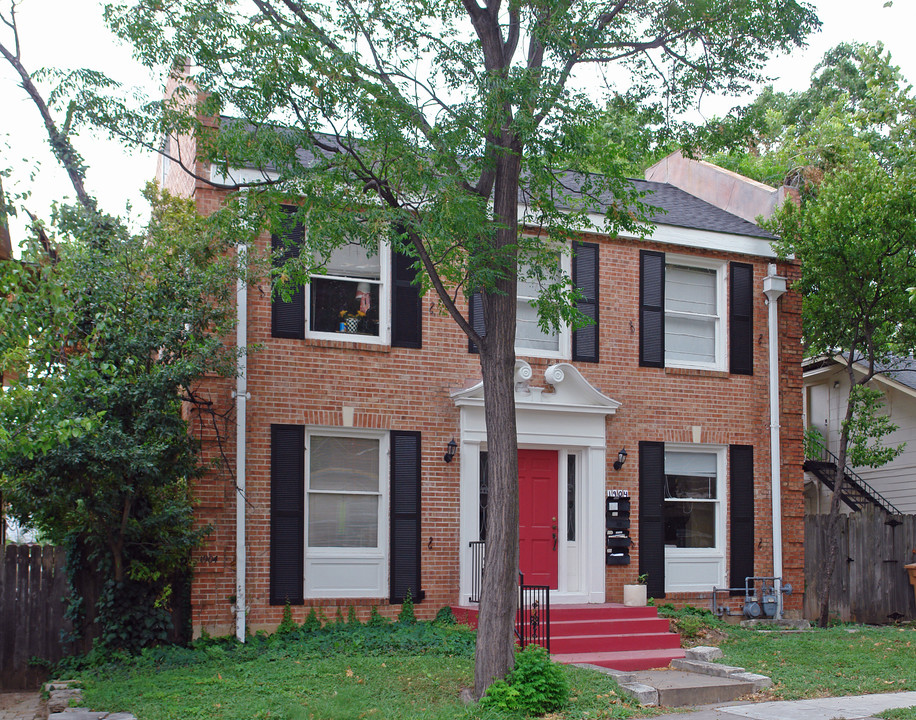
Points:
(901, 369)
(675, 206)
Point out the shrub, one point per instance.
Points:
(407, 616)
(535, 685)
(445, 616)
(312, 623)
(287, 625)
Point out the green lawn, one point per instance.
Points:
(393, 671)
(844, 660)
(342, 672)
(899, 714)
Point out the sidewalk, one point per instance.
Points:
(851, 707)
(21, 706)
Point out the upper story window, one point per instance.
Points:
(350, 298)
(692, 316)
(530, 339)
(362, 296)
(687, 318)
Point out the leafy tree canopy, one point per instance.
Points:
(858, 105)
(103, 336)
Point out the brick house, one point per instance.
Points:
(344, 496)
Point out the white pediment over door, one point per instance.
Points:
(571, 392)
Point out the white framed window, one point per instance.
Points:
(530, 340)
(346, 528)
(694, 512)
(694, 312)
(350, 300)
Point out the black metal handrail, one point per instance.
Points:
(852, 477)
(478, 554)
(532, 619)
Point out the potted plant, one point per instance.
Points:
(635, 595)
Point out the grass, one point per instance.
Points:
(842, 660)
(341, 672)
(393, 671)
(898, 714)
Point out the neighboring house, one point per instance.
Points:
(345, 498)
(826, 384)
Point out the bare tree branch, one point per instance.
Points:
(60, 144)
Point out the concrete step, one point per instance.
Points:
(624, 660)
(630, 642)
(676, 688)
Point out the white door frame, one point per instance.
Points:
(571, 419)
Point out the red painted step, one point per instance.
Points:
(613, 626)
(617, 643)
(610, 635)
(628, 661)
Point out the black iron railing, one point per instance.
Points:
(478, 553)
(818, 453)
(532, 619)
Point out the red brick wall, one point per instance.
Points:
(309, 381)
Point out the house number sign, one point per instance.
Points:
(618, 493)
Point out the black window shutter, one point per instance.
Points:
(406, 309)
(741, 318)
(405, 516)
(651, 308)
(287, 319)
(741, 503)
(476, 319)
(652, 516)
(585, 278)
(287, 514)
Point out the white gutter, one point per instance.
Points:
(241, 401)
(773, 287)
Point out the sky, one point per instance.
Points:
(67, 33)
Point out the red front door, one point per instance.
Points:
(537, 516)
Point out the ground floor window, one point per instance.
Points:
(346, 511)
(691, 499)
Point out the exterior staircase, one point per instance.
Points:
(856, 493)
(609, 635)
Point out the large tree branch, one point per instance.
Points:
(60, 144)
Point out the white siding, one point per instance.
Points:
(896, 481)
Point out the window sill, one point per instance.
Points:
(696, 372)
(347, 345)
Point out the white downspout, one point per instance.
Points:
(241, 401)
(773, 287)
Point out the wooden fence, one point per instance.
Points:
(870, 584)
(32, 585)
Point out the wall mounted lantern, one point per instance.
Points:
(450, 450)
(621, 459)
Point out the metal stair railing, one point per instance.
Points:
(532, 620)
(853, 479)
(532, 617)
(478, 554)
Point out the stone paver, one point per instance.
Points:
(21, 706)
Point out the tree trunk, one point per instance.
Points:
(494, 655)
